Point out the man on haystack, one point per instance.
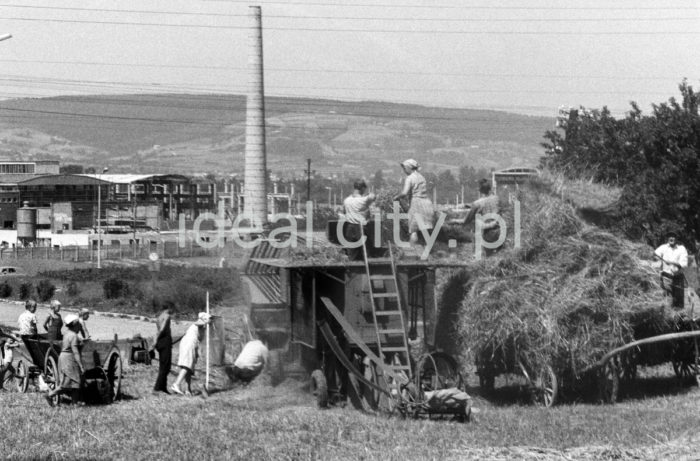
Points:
(674, 258)
(357, 217)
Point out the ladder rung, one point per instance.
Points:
(394, 349)
(385, 295)
(391, 331)
(381, 277)
(378, 260)
(387, 312)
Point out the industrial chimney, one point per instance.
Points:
(255, 159)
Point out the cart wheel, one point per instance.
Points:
(545, 387)
(51, 375)
(609, 382)
(319, 388)
(115, 372)
(21, 377)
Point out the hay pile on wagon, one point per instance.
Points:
(570, 294)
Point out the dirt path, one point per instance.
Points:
(99, 325)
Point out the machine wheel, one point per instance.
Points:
(51, 375)
(319, 388)
(114, 372)
(21, 377)
(545, 387)
(609, 382)
(438, 371)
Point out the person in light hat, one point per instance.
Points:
(54, 322)
(421, 215)
(70, 363)
(189, 348)
(82, 321)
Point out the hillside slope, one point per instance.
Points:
(206, 133)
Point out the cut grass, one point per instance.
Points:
(262, 422)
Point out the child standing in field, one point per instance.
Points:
(27, 320)
(54, 322)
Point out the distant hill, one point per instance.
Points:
(206, 134)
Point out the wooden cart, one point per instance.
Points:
(102, 361)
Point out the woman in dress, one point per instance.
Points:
(70, 364)
(421, 215)
(54, 322)
(187, 359)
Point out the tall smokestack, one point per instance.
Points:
(255, 158)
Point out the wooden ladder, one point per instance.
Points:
(387, 312)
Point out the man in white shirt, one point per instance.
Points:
(251, 360)
(356, 217)
(674, 258)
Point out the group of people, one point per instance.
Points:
(53, 324)
(248, 365)
(421, 214)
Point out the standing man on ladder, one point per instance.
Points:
(357, 217)
(674, 258)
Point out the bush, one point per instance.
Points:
(115, 288)
(45, 290)
(72, 289)
(5, 290)
(25, 290)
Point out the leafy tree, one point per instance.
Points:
(653, 158)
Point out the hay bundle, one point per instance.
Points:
(568, 296)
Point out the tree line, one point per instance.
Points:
(652, 158)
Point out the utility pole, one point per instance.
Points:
(308, 179)
(99, 220)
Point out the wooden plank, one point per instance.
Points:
(352, 334)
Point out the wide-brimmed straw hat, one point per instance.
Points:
(70, 318)
(203, 318)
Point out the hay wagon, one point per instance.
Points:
(102, 361)
(615, 367)
(356, 329)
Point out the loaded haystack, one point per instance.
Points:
(570, 294)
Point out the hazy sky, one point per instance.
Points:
(523, 56)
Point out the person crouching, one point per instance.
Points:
(250, 361)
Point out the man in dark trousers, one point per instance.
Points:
(164, 346)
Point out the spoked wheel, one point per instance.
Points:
(609, 382)
(114, 372)
(21, 377)
(97, 387)
(319, 388)
(545, 387)
(438, 371)
(51, 375)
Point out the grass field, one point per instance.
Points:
(282, 423)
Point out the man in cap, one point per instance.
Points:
(189, 353)
(674, 258)
(83, 315)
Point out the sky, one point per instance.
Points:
(524, 56)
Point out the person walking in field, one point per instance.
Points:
(8, 343)
(54, 322)
(164, 346)
(27, 320)
(70, 363)
(421, 216)
(189, 352)
(357, 217)
(674, 258)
